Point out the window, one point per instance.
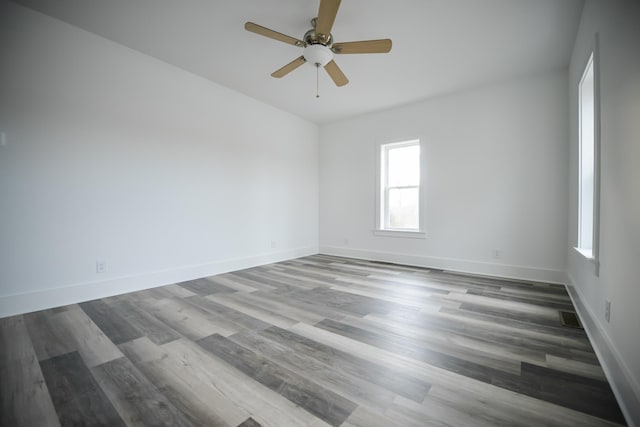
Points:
(399, 201)
(588, 162)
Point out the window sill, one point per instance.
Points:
(400, 233)
(586, 253)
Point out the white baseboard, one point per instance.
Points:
(453, 264)
(624, 385)
(48, 298)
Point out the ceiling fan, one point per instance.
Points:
(318, 44)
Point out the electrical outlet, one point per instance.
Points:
(346, 241)
(273, 244)
(607, 311)
(101, 266)
(497, 254)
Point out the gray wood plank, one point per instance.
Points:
(249, 422)
(587, 395)
(92, 344)
(186, 384)
(187, 319)
(205, 287)
(136, 399)
(349, 386)
(238, 303)
(408, 348)
(49, 335)
(323, 403)
(239, 319)
(76, 395)
(394, 380)
(24, 397)
(148, 325)
(111, 323)
(210, 390)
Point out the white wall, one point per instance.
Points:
(115, 155)
(496, 179)
(618, 342)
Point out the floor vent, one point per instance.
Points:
(570, 319)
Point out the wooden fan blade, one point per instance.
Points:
(289, 67)
(326, 15)
(336, 73)
(263, 31)
(364, 46)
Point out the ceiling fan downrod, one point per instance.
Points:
(317, 80)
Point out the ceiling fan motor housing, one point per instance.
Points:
(310, 37)
(318, 54)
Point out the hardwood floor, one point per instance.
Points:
(314, 341)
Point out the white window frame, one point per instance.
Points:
(382, 190)
(592, 255)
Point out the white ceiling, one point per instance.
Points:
(439, 46)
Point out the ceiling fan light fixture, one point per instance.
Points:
(318, 54)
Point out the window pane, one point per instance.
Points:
(403, 208)
(587, 158)
(404, 166)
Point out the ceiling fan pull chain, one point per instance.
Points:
(317, 80)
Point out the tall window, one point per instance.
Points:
(587, 157)
(400, 186)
